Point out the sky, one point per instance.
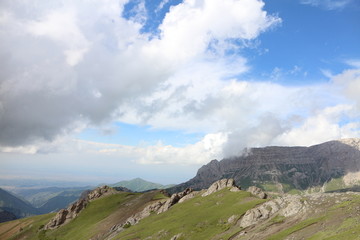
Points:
(103, 91)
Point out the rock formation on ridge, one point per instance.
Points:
(66, 215)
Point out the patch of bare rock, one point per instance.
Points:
(221, 184)
(258, 192)
(66, 215)
(287, 205)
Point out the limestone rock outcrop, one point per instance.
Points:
(258, 192)
(287, 205)
(188, 196)
(100, 192)
(175, 198)
(156, 207)
(66, 215)
(221, 184)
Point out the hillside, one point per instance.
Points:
(282, 169)
(96, 219)
(220, 212)
(140, 185)
(10, 204)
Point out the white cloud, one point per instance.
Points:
(327, 4)
(81, 61)
(60, 25)
(210, 147)
(322, 127)
(75, 64)
(349, 82)
(189, 28)
(253, 114)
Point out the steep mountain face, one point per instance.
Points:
(285, 168)
(140, 185)
(15, 206)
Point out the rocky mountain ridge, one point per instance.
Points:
(285, 168)
(66, 215)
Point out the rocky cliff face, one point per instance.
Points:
(292, 167)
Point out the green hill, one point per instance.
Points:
(96, 219)
(219, 215)
(197, 218)
(140, 185)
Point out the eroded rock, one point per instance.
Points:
(258, 192)
(175, 198)
(287, 205)
(221, 184)
(155, 207)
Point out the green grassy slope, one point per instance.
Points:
(25, 228)
(329, 218)
(95, 220)
(334, 216)
(197, 218)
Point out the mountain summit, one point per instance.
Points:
(285, 168)
(140, 185)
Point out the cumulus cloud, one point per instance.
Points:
(321, 127)
(70, 64)
(253, 114)
(349, 82)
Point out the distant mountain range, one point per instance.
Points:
(140, 185)
(328, 166)
(46, 197)
(12, 207)
(27, 202)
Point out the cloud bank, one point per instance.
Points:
(70, 65)
(66, 64)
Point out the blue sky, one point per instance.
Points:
(118, 89)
